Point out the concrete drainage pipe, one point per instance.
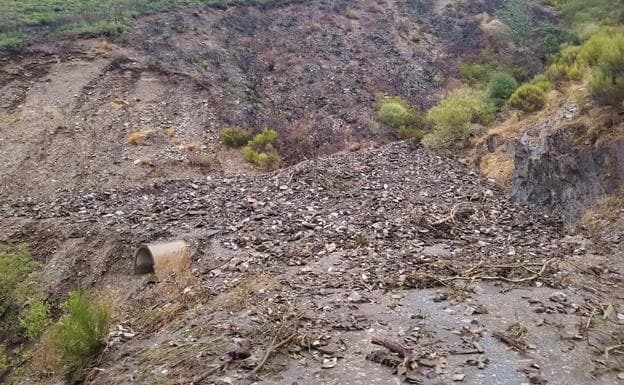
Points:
(161, 258)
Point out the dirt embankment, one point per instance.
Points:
(305, 69)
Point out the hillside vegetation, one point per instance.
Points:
(29, 20)
(587, 48)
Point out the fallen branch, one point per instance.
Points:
(275, 345)
(498, 278)
(609, 349)
(394, 347)
(509, 340)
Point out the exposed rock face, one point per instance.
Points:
(556, 167)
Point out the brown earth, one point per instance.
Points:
(311, 261)
(314, 260)
(304, 69)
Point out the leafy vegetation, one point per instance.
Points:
(406, 121)
(587, 16)
(79, 335)
(262, 150)
(16, 264)
(528, 98)
(567, 66)
(553, 37)
(500, 87)
(351, 14)
(24, 314)
(456, 116)
(517, 15)
(234, 137)
(474, 74)
(605, 52)
(26, 20)
(542, 82)
(35, 319)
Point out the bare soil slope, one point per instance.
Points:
(307, 70)
(314, 261)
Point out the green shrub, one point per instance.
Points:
(605, 52)
(11, 40)
(406, 133)
(500, 87)
(586, 15)
(601, 44)
(528, 98)
(352, 14)
(607, 87)
(262, 149)
(80, 334)
(569, 65)
(542, 82)
(456, 116)
(517, 15)
(474, 74)
(5, 363)
(234, 137)
(16, 264)
(35, 318)
(553, 37)
(396, 112)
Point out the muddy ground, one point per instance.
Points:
(310, 262)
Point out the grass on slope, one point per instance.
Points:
(23, 21)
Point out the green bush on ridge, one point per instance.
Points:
(456, 116)
(234, 137)
(262, 150)
(528, 98)
(406, 121)
(500, 87)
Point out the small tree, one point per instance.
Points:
(501, 86)
(605, 52)
(528, 98)
(517, 15)
(456, 116)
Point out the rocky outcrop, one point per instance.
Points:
(559, 165)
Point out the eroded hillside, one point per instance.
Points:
(304, 69)
(358, 261)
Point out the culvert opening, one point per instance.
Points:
(161, 257)
(143, 261)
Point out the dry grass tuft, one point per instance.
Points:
(143, 161)
(137, 137)
(606, 213)
(10, 119)
(498, 165)
(246, 292)
(104, 45)
(203, 161)
(169, 132)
